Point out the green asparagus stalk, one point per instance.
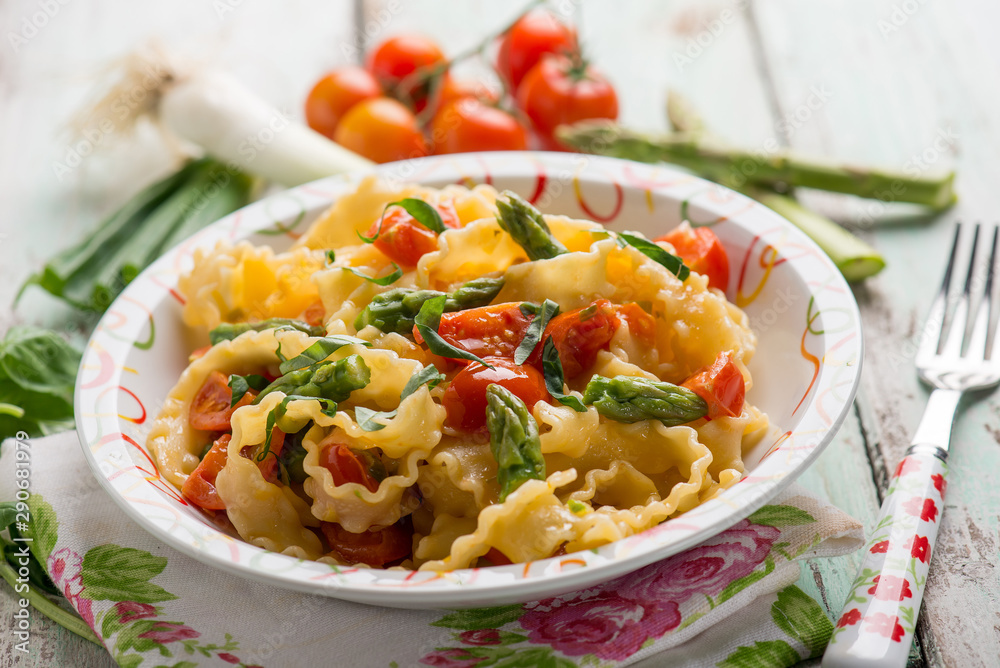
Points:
(633, 398)
(855, 258)
(328, 380)
(525, 224)
(514, 440)
(228, 331)
(706, 155)
(395, 310)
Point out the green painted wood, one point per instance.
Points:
(902, 81)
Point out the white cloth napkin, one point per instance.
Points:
(154, 606)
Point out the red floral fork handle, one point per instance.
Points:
(879, 618)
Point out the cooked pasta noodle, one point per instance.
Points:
(348, 447)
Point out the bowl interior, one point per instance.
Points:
(805, 370)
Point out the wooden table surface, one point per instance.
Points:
(902, 83)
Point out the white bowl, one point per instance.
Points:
(805, 371)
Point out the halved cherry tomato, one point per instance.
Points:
(315, 314)
(405, 240)
(533, 35)
(269, 465)
(578, 336)
(641, 325)
(467, 124)
(559, 90)
(497, 558)
(198, 353)
(375, 547)
(702, 252)
(721, 385)
(487, 331)
(335, 93)
(381, 129)
(210, 409)
(199, 488)
(395, 59)
(345, 466)
(465, 396)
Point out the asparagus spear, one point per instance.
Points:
(705, 155)
(514, 440)
(633, 398)
(228, 331)
(395, 310)
(328, 380)
(525, 224)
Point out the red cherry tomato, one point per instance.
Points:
(559, 91)
(579, 335)
(315, 314)
(395, 59)
(721, 385)
(199, 488)
(536, 33)
(465, 396)
(403, 239)
(381, 129)
(269, 465)
(345, 466)
(487, 331)
(702, 252)
(210, 409)
(335, 93)
(467, 124)
(375, 547)
(641, 325)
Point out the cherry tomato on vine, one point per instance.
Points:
(465, 397)
(395, 59)
(381, 129)
(560, 90)
(467, 124)
(536, 33)
(335, 93)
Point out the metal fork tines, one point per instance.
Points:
(956, 351)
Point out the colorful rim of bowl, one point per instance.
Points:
(129, 473)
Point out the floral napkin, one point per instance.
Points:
(730, 601)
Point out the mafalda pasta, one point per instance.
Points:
(446, 378)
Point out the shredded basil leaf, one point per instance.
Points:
(365, 417)
(424, 213)
(240, 385)
(536, 328)
(383, 281)
(653, 251)
(555, 379)
(331, 257)
(318, 352)
(427, 322)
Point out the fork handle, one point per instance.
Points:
(878, 621)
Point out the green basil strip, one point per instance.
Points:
(331, 257)
(365, 417)
(428, 320)
(240, 385)
(671, 262)
(536, 328)
(318, 352)
(383, 281)
(424, 213)
(554, 377)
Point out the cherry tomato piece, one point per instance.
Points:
(467, 124)
(335, 94)
(579, 335)
(535, 34)
(487, 331)
(497, 558)
(315, 314)
(641, 325)
(403, 239)
(465, 396)
(198, 352)
(210, 409)
(560, 91)
(375, 547)
(199, 488)
(381, 129)
(269, 465)
(345, 466)
(721, 385)
(702, 252)
(395, 59)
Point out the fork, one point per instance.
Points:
(878, 621)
